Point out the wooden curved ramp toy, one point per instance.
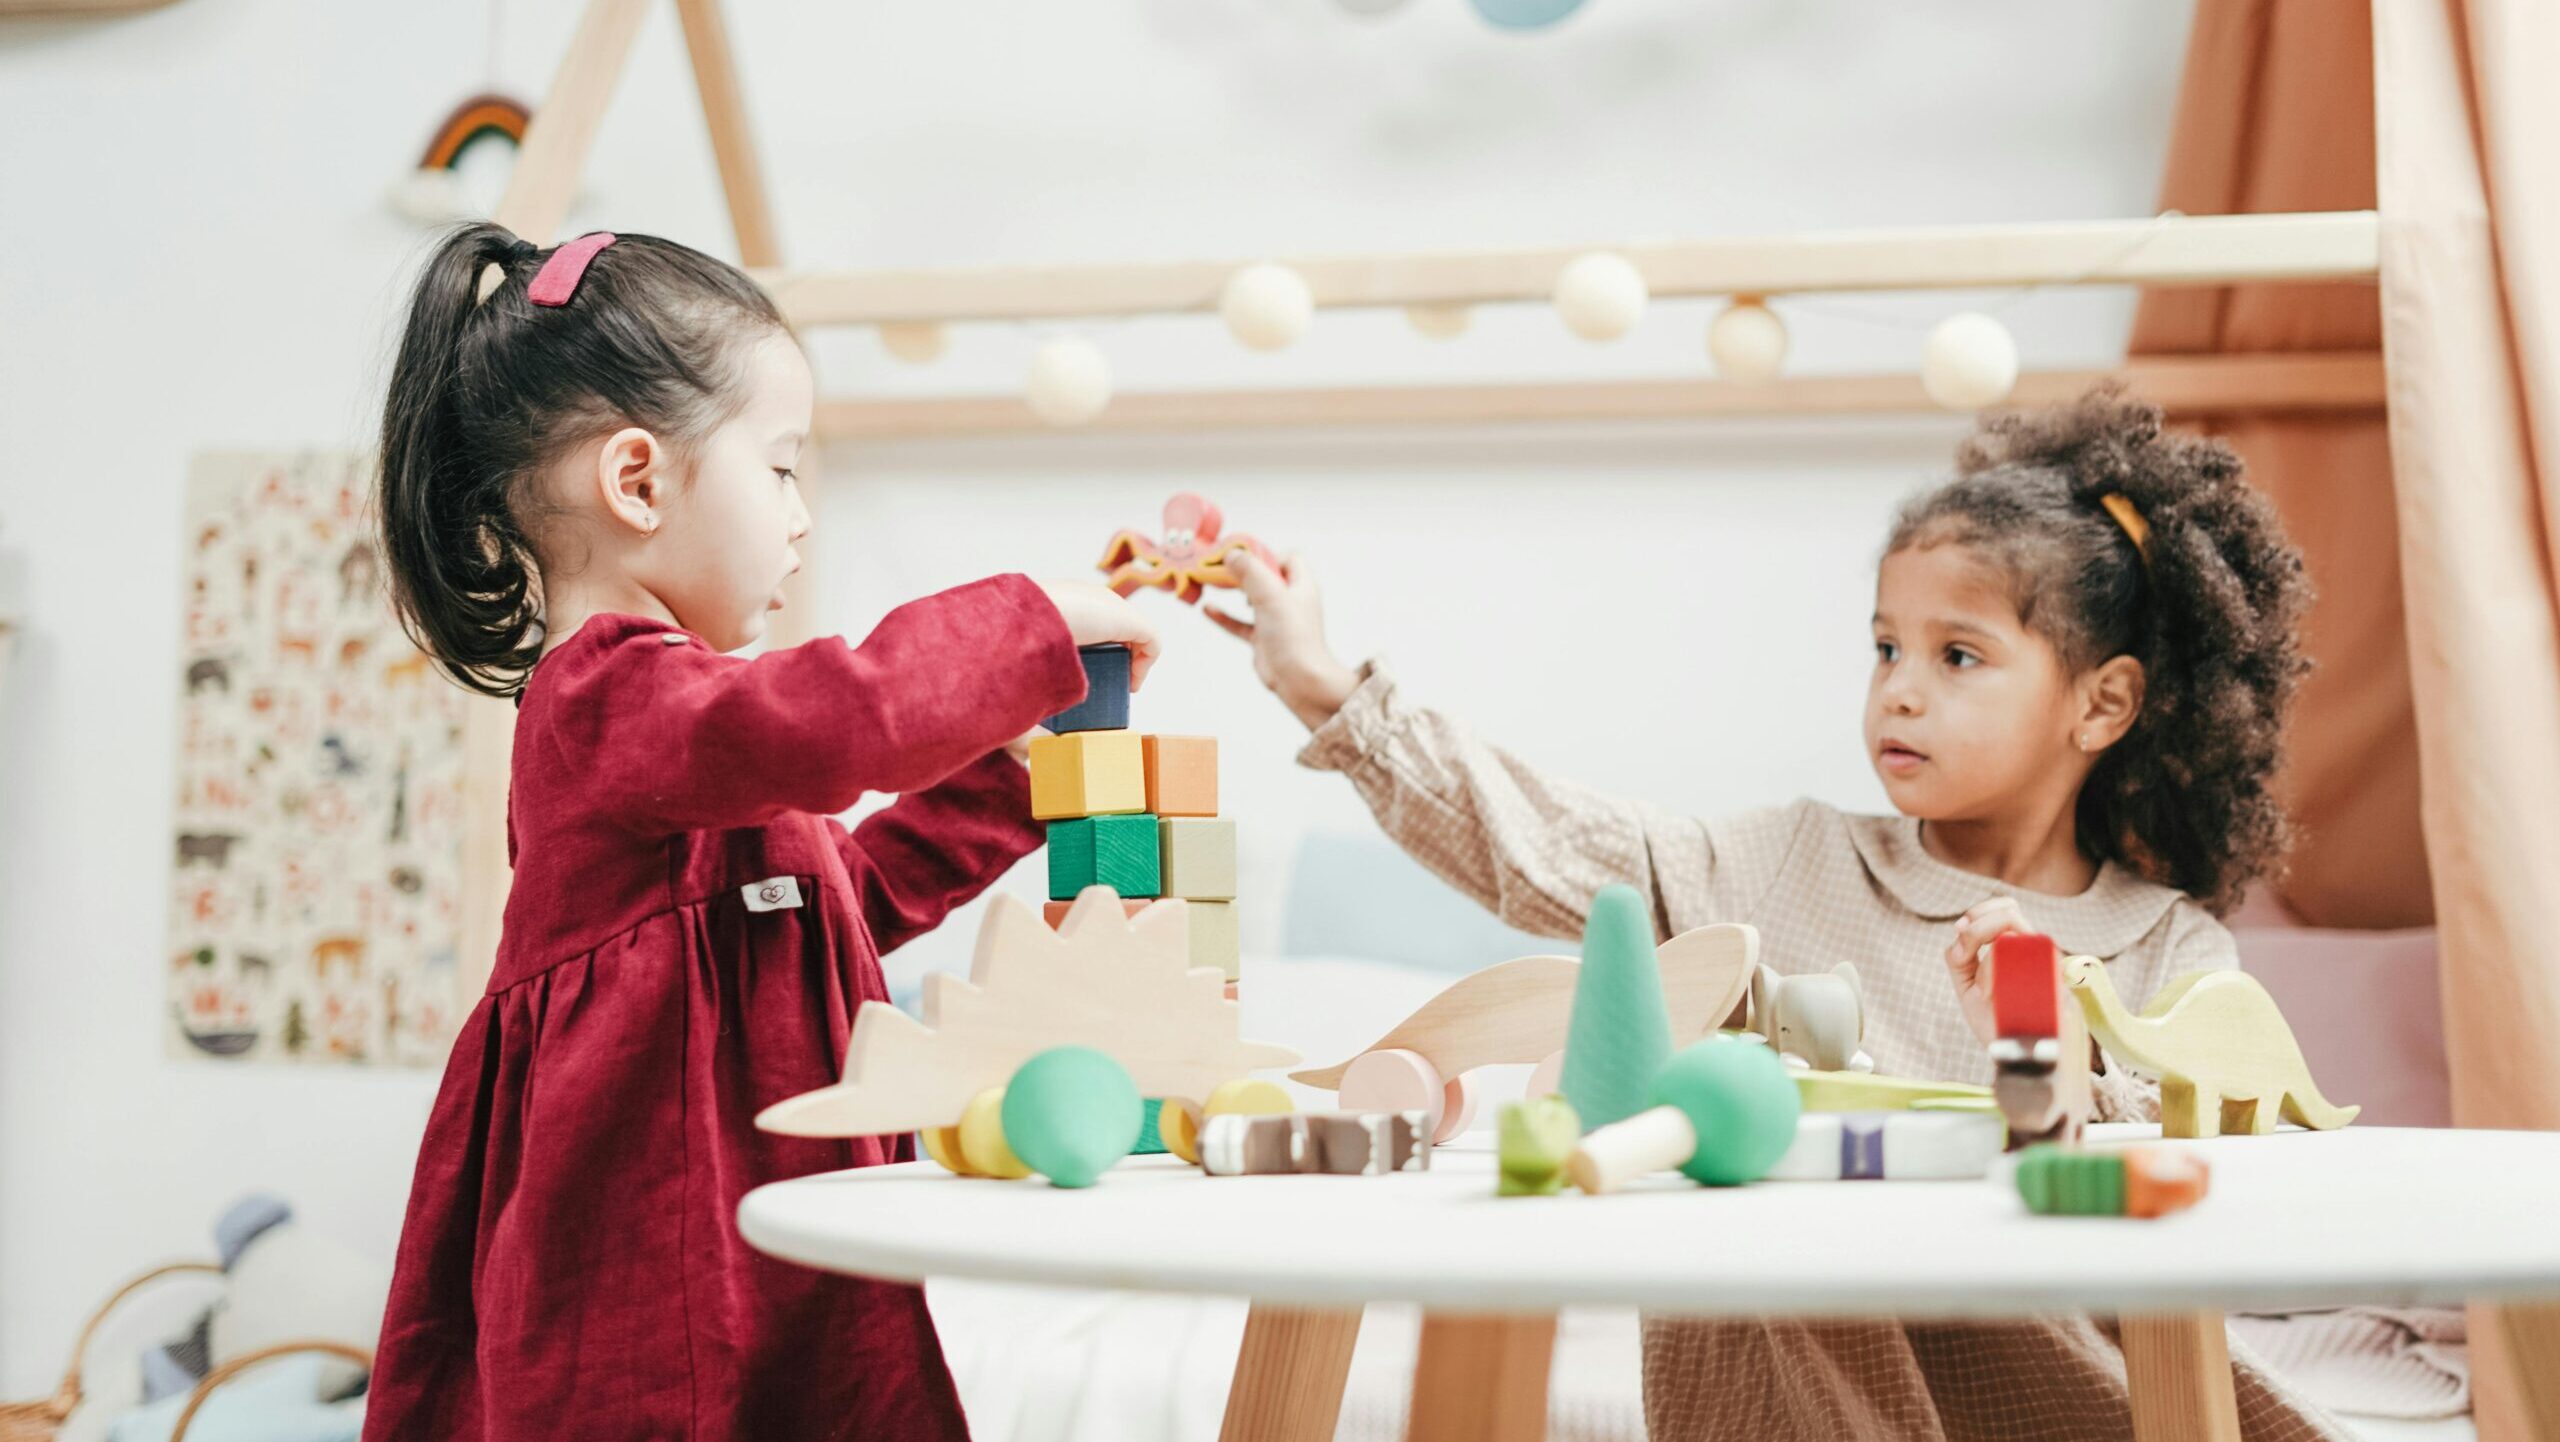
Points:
(1518, 1011)
(1118, 983)
(2224, 1058)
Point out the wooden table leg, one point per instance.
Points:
(1289, 1375)
(2533, 1353)
(1482, 1379)
(2178, 1369)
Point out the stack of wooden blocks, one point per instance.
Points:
(1138, 814)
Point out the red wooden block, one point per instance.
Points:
(2026, 985)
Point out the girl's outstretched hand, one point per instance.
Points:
(1968, 958)
(1095, 616)
(1287, 635)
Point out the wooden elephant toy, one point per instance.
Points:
(1813, 1020)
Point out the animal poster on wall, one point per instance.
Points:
(314, 908)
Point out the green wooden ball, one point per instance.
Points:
(1742, 1102)
(1071, 1113)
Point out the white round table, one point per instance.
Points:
(2364, 1215)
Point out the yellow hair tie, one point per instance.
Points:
(2126, 516)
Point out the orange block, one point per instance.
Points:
(1056, 911)
(1182, 775)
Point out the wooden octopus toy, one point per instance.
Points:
(1191, 557)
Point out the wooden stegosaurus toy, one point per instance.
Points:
(2224, 1058)
(1119, 983)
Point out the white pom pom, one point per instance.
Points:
(917, 342)
(1070, 382)
(1370, 7)
(1267, 306)
(1747, 342)
(1970, 362)
(1439, 321)
(1600, 296)
(430, 195)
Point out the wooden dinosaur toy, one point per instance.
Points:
(1518, 1012)
(2224, 1058)
(1120, 984)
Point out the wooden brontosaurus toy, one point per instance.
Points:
(1519, 1011)
(1191, 556)
(2041, 1052)
(2215, 1042)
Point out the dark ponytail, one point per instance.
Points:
(485, 394)
(2211, 605)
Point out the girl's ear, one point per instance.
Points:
(2110, 699)
(631, 473)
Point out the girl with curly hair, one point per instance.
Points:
(2085, 649)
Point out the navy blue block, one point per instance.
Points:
(1105, 706)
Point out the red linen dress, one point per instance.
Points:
(687, 938)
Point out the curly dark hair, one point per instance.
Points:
(486, 391)
(2210, 606)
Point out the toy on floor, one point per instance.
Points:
(2224, 1058)
(1123, 985)
(1814, 1020)
(1538, 1136)
(1723, 1112)
(1191, 557)
(2117, 1182)
(2041, 1050)
(1349, 1144)
(1890, 1146)
(1518, 1011)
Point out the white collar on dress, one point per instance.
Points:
(2108, 919)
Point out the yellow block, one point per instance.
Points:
(1088, 773)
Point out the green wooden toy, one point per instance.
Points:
(1620, 1033)
(1115, 851)
(1537, 1136)
(1722, 1111)
(1070, 1113)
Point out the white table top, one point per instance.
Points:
(2364, 1215)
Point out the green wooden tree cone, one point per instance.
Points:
(1620, 1034)
(1742, 1103)
(1070, 1113)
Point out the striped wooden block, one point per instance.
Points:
(1199, 857)
(1894, 1146)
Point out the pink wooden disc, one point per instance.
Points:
(1393, 1080)
(1457, 1107)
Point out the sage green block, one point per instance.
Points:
(1620, 1033)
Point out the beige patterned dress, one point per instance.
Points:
(1822, 887)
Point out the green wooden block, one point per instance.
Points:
(1620, 1032)
(1114, 851)
(2055, 1181)
(1150, 1141)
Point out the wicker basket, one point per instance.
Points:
(41, 1420)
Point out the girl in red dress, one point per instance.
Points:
(587, 501)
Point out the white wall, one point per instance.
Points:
(192, 255)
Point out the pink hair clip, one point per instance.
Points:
(558, 279)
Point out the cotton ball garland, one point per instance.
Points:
(917, 342)
(1370, 7)
(1970, 362)
(1525, 14)
(1070, 382)
(1600, 296)
(1439, 321)
(1747, 342)
(1267, 306)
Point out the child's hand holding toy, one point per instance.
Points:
(1287, 635)
(1969, 953)
(1097, 617)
